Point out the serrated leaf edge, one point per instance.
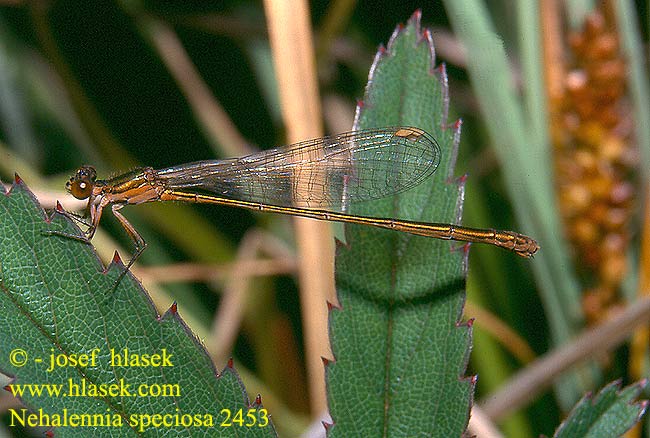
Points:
(593, 399)
(440, 72)
(170, 314)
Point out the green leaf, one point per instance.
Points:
(400, 349)
(610, 414)
(57, 300)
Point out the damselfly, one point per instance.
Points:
(317, 179)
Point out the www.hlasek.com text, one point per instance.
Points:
(83, 388)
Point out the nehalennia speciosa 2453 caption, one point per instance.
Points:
(317, 179)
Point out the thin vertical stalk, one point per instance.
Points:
(293, 54)
(638, 77)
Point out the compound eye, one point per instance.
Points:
(81, 183)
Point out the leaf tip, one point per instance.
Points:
(331, 306)
(258, 400)
(325, 360)
(416, 16)
(427, 35)
(17, 179)
(49, 434)
(173, 309)
(59, 208)
(8, 389)
(643, 404)
(327, 425)
(230, 364)
(117, 260)
(464, 248)
(470, 322)
(339, 245)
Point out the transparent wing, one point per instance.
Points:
(323, 173)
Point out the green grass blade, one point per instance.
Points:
(400, 350)
(57, 299)
(627, 21)
(525, 164)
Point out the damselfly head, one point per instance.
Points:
(82, 182)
